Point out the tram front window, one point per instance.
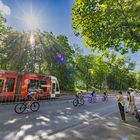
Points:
(1, 84)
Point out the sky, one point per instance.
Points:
(51, 16)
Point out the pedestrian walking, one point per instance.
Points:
(121, 103)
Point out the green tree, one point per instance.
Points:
(108, 24)
(138, 80)
(64, 72)
(120, 76)
(91, 71)
(82, 66)
(2, 26)
(100, 70)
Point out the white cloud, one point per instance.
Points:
(4, 9)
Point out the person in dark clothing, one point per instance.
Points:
(121, 102)
(105, 97)
(93, 93)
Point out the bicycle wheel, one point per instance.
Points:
(82, 101)
(90, 99)
(35, 106)
(75, 102)
(20, 108)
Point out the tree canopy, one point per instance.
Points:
(107, 24)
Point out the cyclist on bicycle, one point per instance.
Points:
(78, 95)
(105, 97)
(31, 96)
(93, 94)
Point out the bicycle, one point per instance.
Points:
(76, 101)
(92, 99)
(34, 105)
(21, 107)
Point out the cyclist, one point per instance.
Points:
(105, 97)
(31, 96)
(93, 94)
(78, 95)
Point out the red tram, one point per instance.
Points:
(14, 85)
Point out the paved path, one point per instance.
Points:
(59, 120)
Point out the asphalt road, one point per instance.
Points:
(57, 119)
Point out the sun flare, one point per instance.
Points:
(32, 40)
(31, 21)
